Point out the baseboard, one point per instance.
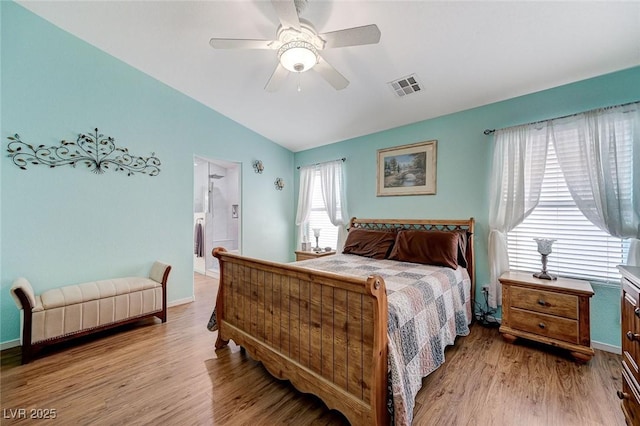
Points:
(596, 345)
(180, 302)
(607, 348)
(9, 344)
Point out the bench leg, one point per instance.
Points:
(27, 353)
(162, 315)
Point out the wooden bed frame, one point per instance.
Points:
(324, 332)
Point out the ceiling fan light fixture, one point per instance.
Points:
(298, 56)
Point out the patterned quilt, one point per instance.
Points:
(428, 307)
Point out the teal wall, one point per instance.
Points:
(64, 225)
(464, 160)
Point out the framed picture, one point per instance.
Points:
(407, 169)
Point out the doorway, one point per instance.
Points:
(216, 211)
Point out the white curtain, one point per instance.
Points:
(334, 197)
(305, 195)
(599, 154)
(519, 160)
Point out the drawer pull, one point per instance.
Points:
(542, 325)
(541, 302)
(622, 395)
(633, 336)
(637, 312)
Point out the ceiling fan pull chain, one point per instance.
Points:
(299, 88)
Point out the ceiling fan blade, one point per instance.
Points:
(330, 74)
(287, 13)
(368, 34)
(233, 43)
(277, 78)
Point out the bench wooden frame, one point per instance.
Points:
(29, 349)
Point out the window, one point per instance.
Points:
(581, 250)
(318, 218)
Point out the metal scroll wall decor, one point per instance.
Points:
(95, 151)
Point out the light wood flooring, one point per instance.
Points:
(169, 374)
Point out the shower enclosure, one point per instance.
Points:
(216, 211)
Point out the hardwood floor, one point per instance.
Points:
(169, 374)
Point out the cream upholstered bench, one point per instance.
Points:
(71, 311)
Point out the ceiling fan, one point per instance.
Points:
(299, 45)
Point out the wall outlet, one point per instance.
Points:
(485, 288)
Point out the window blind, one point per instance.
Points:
(318, 218)
(581, 251)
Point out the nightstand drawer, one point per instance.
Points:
(547, 302)
(544, 325)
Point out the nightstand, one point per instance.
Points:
(304, 255)
(554, 312)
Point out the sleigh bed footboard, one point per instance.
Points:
(325, 333)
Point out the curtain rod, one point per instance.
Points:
(317, 164)
(489, 131)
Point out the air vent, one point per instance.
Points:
(405, 86)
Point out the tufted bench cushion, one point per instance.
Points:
(64, 312)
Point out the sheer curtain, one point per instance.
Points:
(305, 194)
(519, 160)
(599, 154)
(334, 198)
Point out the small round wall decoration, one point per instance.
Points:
(279, 184)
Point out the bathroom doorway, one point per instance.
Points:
(216, 211)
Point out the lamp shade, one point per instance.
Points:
(298, 56)
(544, 245)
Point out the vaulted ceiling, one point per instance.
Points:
(464, 55)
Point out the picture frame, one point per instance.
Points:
(407, 169)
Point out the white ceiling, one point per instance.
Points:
(466, 54)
